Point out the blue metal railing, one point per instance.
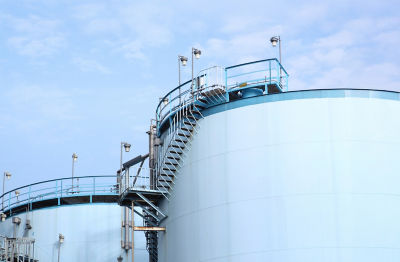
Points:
(267, 71)
(235, 78)
(59, 188)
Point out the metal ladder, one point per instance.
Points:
(151, 237)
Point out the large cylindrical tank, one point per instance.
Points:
(292, 177)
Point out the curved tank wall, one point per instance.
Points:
(92, 233)
(293, 177)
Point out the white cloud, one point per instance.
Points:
(35, 36)
(35, 46)
(42, 103)
(89, 65)
(134, 27)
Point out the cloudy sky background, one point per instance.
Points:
(80, 76)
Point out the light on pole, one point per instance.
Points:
(274, 41)
(127, 147)
(195, 53)
(74, 159)
(60, 241)
(181, 60)
(17, 194)
(8, 176)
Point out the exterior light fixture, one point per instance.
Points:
(181, 60)
(196, 53)
(60, 241)
(274, 41)
(17, 193)
(60, 238)
(8, 176)
(74, 159)
(127, 147)
(165, 101)
(3, 217)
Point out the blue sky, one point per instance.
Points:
(80, 76)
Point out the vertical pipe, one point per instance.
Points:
(280, 62)
(192, 71)
(72, 179)
(179, 72)
(126, 227)
(119, 181)
(133, 230)
(2, 199)
(59, 248)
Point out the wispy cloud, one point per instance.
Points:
(135, 27)
(35, 36)
(89, 65)
(43, 103)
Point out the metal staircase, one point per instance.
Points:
(179, 139)
(207, 89)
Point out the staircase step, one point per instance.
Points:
(165, 180)
(169, 169)
(176, 158)
(186, 128)
(178, 146)
(203, 100)
(180, 133)
(195, 116)
(166, 173)
(181, 139)
(175, 152)
(189, 121)
(171, 163)
(201, 103)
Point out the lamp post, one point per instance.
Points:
(274, 41)
(195, 53)
(60, 241)
(74, 159)
(183, 60)
(127, 147)
(17, 194)
(8, 176)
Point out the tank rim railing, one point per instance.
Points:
(178, 97)
(58, 188)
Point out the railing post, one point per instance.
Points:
(94, 185)
(61, 188)
(226, 86)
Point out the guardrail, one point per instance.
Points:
(230, 79)
(59, 188)
(268, 71)
(137, 178)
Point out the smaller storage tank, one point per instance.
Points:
(88, 218)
